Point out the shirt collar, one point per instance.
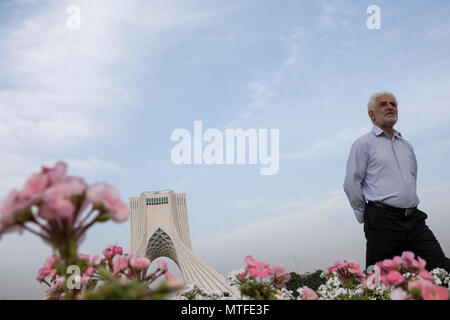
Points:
(378, 131)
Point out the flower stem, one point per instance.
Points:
(43, 236)
(81, 229)
(85, 218)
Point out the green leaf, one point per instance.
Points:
(103, 217)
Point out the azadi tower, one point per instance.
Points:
(160, 228)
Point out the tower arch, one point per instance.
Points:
(160, 245)
(160, 228)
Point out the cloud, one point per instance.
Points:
(264, 90)
(293, 41)
(13, 170)
(335, 15)
(327, 16)
(317, 231)
(437, 147)
(247, 203)
(91, 166)
(337, 142)
(423, 103)
(62, 89)
(259, 93)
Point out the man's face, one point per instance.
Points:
(386, 113)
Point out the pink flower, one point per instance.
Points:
(56, 208)
(57, 290)
(392, 278)
(416, 287)
(11, 207)
(427, 290)
(256, 268)
(117, 250)
(119, 263)
(419, 263)
(279, 270)
(408, 258)
(162, 264)
(424, 274)
(108, 197)
(309, 294)
(56, 174)
(398, 261)
(280, 276)
(435, 293)
(353, 268)
(172, 283)
(82, 256)
(94, 260)
(242, 275)
(399, 294)
(108, 253)
(35, 185)
(389, 264)
(111, 251)
(334, 267)
(84, 280)
(139, 263)
(58, 199)
(89, 272)
(49, 269)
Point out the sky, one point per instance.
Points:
(106, 98)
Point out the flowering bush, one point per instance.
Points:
(334, 289)
(260, 281)
(311, 280)
(192, 292)
(60, 209)
(410, 279)
(441, 277)
(346, 281)
(400, 278)
(115, 276)
(343, 281)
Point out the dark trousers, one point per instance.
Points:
(388, 234)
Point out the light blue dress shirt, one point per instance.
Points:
(381, 169)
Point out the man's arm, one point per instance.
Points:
(355, 174)
(415, 161)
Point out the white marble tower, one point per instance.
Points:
(160, 228)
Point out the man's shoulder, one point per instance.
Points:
(400, 137)
(406, 142)
(364, 140)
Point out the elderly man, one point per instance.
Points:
(381, 186)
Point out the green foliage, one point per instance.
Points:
(310, 280)
(197, 293)
(119, 289)
(257, 289)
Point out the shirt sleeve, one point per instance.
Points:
(415, 162)
(355, 174)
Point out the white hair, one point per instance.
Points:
(373, 99)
